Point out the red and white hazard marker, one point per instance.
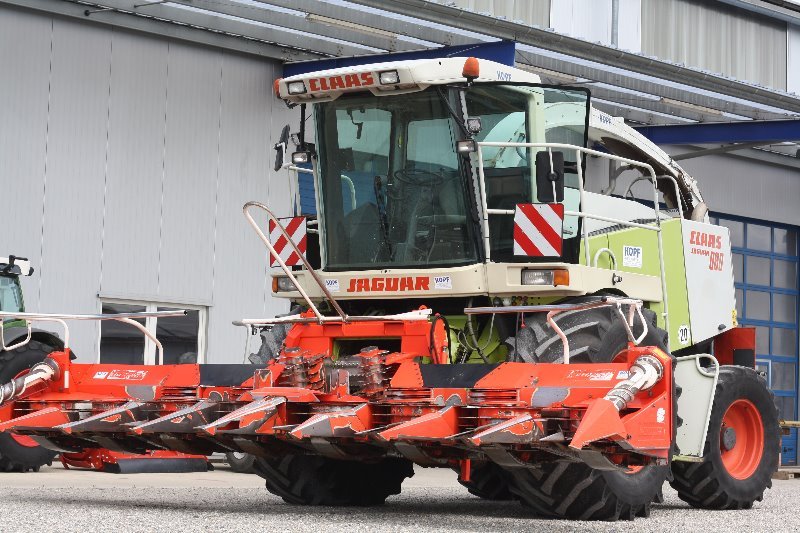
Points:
(296, 228)
(537, 230)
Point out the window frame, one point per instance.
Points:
(151, 324)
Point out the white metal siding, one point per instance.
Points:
(25, 67)
(75, 174)
(135, 152)
(591, 20)
(716, 37)
(586, 19)
(189, 186)
(793, 59)
(630, 25)
(244, 165)
(127, 159)
(532, 12)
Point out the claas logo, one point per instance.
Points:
(348, 81)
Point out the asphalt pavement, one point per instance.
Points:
(58, 500)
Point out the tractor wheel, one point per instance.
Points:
(240, 462)
(19, 453)
(488, 481)
(742, 446)
(574, 490)
(579, 492)
(316, 480)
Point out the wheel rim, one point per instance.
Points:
(741, 439)
(23, 440)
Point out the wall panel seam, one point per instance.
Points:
(44, 176)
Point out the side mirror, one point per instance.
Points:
(550, 176)
(280, 149)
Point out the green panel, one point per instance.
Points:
(493, 347)
(677, 295)
(595, 243)
(647, 240)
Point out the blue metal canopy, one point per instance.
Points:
(499, 51)
(749, 131)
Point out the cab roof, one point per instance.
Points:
(411, 75)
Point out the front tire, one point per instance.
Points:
(20, 453)
(574, 490)
(741, 449)
(579, 492)
(317, 480)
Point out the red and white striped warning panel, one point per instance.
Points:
(296, 228)
(537, 230)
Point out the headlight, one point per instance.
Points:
(282, 284)
(551, 278)
(390, 77)
(466, 146)
(301, 158)
(296, 87)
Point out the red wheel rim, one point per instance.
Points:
(634, 470)
(23, 440)
(741, 457)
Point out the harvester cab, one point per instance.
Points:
(475, 305)
(448, 180)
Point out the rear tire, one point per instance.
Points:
(19, 454)
(575, 490)
(317, 480)
(240, 462)
(741, 449)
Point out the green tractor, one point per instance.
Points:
(19, 453)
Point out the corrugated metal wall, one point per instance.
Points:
(529, 11)
(716, 37)
(125, 162)
(592, 20)
(793, 59)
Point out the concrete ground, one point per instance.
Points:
(59, 500)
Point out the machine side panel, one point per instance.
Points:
(709, 278)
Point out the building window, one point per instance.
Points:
(182, 337)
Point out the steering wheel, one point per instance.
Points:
(420, 177)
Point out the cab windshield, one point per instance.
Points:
(10, 294)
(527, 114)
(394, 192)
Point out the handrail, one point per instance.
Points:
(320, 318)
(579, 167)
(127, 318)
(419, 314)
(608, 251)
(634, 306)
